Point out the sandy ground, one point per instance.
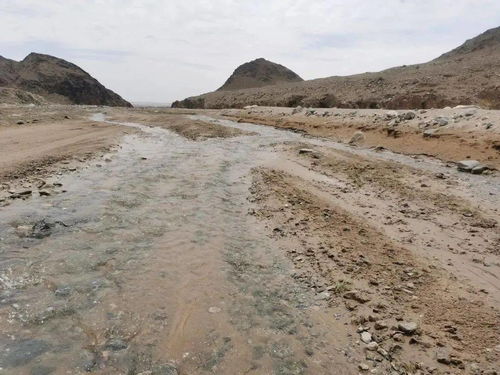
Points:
(348, 257)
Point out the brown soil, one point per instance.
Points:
(389, 250)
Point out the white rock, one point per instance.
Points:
(366, 337)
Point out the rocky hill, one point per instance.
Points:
(53, 79)
(259, 73)
(469, 74)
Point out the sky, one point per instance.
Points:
(164, 50)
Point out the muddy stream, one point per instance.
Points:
(149, 263)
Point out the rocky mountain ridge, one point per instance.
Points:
(469, 74)
(259, 73)
(55, 80)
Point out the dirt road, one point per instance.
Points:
(201, 245)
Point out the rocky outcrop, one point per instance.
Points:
(259, 73)
(468, 74)
(56, 81)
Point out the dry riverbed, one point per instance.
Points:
(157, 241)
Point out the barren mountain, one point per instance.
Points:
(53, 79)
(469, 74)
(259, 73)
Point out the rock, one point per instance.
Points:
(250, 106)
(116, 344)
(366, 337)
(441, 121)
(470, 112)
(19, 352)
(408, 328)
(306, 151)
(372, 346)
(165, 369)
(357, 138)
(471, 166)
(356, 296)
(214, 310)
(44, 193)
(63, 291)
(20, 122)
(363, 367)
(443, 357)
(488, 125)
(410, 115)
(380, 325)
(391, 114)
(431, 133)
(297, 109)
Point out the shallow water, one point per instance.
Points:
(151, 260)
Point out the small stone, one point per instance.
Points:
(408, 328)
(116, 344)
(380, 325)
(306, 151)
(372, 346)
(431, 133)
(20, 122)
(363, 367)
(166, 369)
(366, 337)
(468, 165)
(214, 310)
(63, 291)
(357, 138)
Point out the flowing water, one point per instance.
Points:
(149, 263)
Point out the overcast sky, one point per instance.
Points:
(163, 50)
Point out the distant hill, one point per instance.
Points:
(259, 73)
(469, 74)
(55, 80)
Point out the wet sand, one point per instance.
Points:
(199, 245)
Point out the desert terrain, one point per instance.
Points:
(261, 240)
(468, 74)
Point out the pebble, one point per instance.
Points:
(214, 310)
(408, 328)
(366, 337)
(363, 367)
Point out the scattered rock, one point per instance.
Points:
(116, 344)
(165, 369)
(441, 121)
(306, 151)
(431, 133)
(410, 115)
(408, 328)
(471, 166)
(357, 138)
(363, 367)
(366, 337)
(18, 353)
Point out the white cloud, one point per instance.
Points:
(162, 50)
